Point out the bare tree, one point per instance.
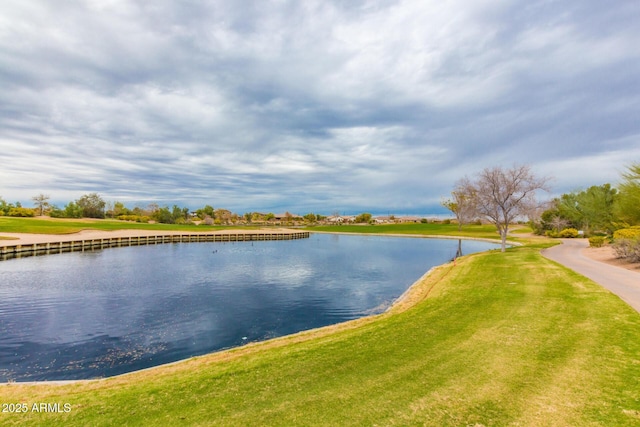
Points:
(558, 223)
(501, 195)
(42, 202)
(462, 202)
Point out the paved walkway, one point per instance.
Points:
(622, 282)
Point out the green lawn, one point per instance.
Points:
(66, 226)
(498, 339)
(432, 229)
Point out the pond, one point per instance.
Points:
(101, 313)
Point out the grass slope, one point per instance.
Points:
(432, 229)
(67, 226)
(498, 339)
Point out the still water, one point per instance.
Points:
(106, 312)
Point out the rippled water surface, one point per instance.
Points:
(106, 312)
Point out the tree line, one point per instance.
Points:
(92, 205)
(602, 212)
(599, 209)
(501, 196)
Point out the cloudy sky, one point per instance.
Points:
(314, 105)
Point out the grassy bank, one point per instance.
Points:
(432, 229)
(67, 226)
(497, 339)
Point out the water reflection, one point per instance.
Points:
(102, 313)
(459, 251)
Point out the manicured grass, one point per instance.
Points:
(498, 339)
(431, 229)
(66, 226)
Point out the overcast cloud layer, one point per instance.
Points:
(320, 106)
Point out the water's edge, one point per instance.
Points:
(340, 325)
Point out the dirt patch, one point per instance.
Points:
(607, 255)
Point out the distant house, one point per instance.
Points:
(382, 219)
(392, 219)
(408, 219)
(287, 217)
(340, 219)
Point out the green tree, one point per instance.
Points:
(92, 205)
(56, 212)
(120, 209)
(311, 217)
(4, 207)
(206, 211)
(569, 209)
(364, 217)
(590, 209)
(627, 208)
(179, 215)
(73, 210)
(163, 215)
(597, 205)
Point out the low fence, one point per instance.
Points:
(22, 250)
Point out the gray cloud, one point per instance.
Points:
(315, 105)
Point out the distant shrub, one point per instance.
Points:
(22, 212)
(599, 233)
(627, 233)
(136, 218)
(627, 243)
(628, 249)
(424, 221)
(56, 212)
(569, 233)
(477, 222)
(596, 241)
(446, 221)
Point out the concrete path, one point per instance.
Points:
(622, 282)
